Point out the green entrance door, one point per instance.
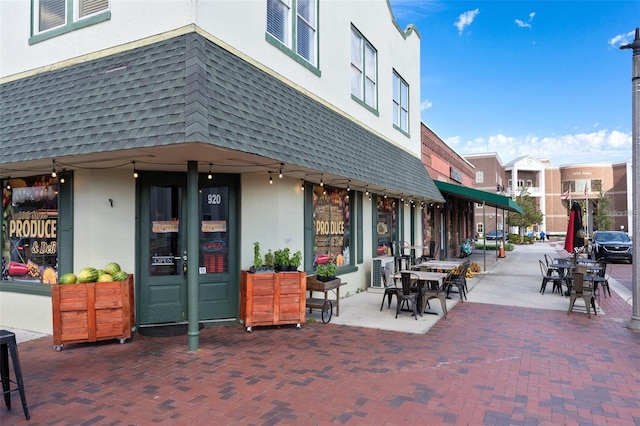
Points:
(162, 232)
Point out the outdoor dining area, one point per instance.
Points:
(575, 276)
(422, 281)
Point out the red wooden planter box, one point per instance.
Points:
(92, 311)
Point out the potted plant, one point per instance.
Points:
(295, 261)
(282, 259)
(258, 264)
(270, 260)
(327, 271)
(257, 258)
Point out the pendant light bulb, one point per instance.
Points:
(280, 173)
(53, 172)
(270, 179)
(210, 175)
(321, 183)
(135, 172)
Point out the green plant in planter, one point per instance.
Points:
(295, 260)
(257, 256)
(327, 271)
(282, 259)
(270, 260)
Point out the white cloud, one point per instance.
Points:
(466, 19)
(426, 104)
(527, 24)
(621, 39)
(602, 146)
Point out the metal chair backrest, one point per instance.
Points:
(548, 260)
(603, 271)
(578, 282)
(543, 268)
(385, 275)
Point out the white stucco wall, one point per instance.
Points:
(104, 234)
(26, 312)
(240, 24)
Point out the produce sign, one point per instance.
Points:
(29, 246)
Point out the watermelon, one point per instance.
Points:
(69, 278)
(112, 268)
(101, 272)
(105, 278)
(88, 275)
(120, 276)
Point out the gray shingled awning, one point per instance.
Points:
(189, 92)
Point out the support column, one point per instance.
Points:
(634, 324)
(192, 262)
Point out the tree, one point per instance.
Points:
(601, 219)
(530, 213)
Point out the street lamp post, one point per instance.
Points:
(634, 324)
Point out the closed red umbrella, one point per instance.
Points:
(575, 234)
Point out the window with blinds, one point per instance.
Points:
(293, 23)
(89, 7)
(52, 14)
(400, 102)
(364, 69)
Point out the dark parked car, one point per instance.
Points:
(494, 235)
(611, 245)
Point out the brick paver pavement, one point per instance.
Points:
(485, 364)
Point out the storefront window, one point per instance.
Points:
(29, 230)
(332, 225)
(386, 224)
(214, 235)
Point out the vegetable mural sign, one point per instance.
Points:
(29, 230)
(331, 223)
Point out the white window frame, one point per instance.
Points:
(479, 176)
(72, 19)
(364, 70)
(400, 102)
(294, 16)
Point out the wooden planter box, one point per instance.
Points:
(272, 298)
(92, 311)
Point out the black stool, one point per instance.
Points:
(8, 343)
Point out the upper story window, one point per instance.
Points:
(51, 18)
(364, 69)
(292, 24)
(400, 103)
(479, 176)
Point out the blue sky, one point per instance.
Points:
(539, 78)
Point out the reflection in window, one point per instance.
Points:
(297, 33)
(400, 102)
(332, 225)
(214, 235)
(364, 67)
(50, 14)
(385, 226)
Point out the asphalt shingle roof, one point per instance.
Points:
(188, 89)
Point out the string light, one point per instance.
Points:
(53, 173)
(321, 183)
(62, 176)
(302, 184)
(366, 191)
(280, 173)
(210, 176)
(270, 179)
(348, 186)
(9, 182)
(135, 172)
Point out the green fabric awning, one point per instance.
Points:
(478, 196)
